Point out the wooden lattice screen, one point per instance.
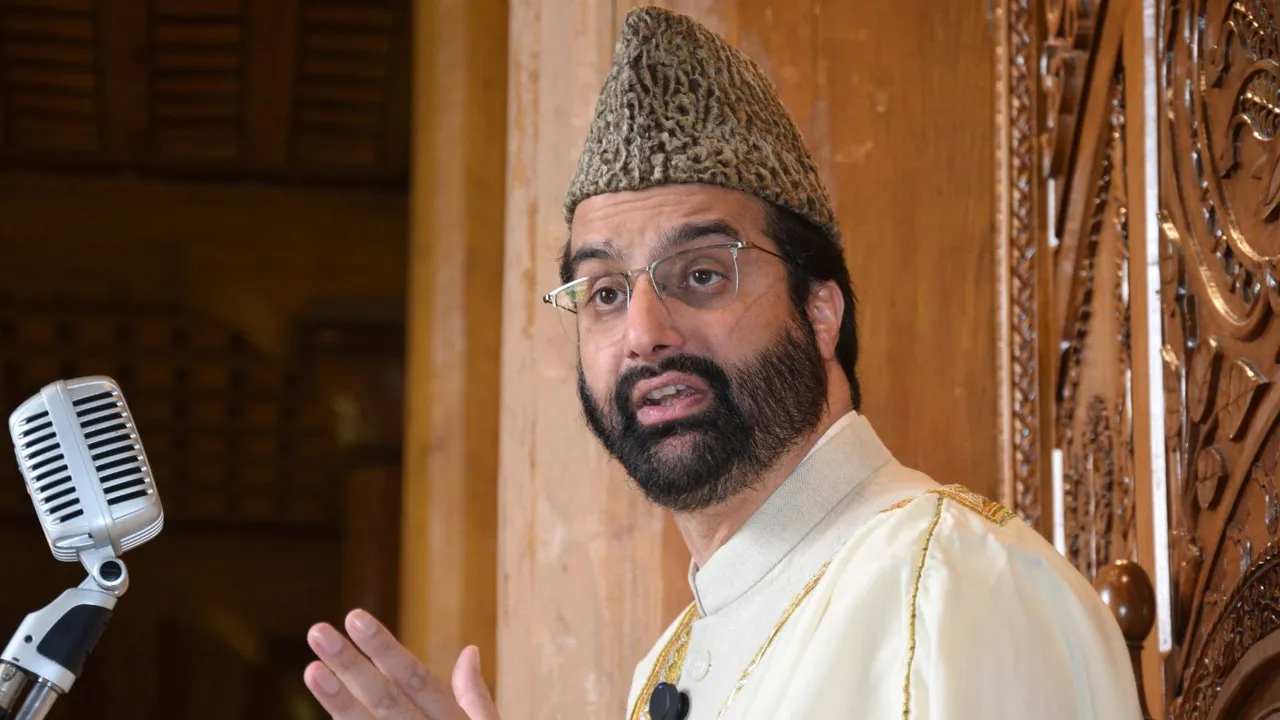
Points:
(233, 435)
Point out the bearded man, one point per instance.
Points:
(705, 284)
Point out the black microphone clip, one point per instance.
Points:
(668, 703)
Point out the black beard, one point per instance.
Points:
(754, 415)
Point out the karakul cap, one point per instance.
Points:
(681, 105)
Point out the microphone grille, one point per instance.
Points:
(113, 446)
(44, 465)
(85, 469)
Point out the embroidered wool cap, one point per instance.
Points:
(681, 105)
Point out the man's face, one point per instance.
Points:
(695, 399)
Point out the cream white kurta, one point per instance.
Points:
(934, 604)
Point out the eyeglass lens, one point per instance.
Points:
(694, 280)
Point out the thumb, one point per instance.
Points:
(469, 688)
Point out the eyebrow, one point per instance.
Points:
(680, 236)
(690, 232)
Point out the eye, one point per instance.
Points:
(607, 297)
(703, 278)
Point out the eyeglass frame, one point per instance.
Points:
(735, 245)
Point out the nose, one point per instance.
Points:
(651, 333)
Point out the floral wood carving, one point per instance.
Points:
(1239, 395)
(1263, 475)
(1203, 383)
(1219, 116)
(1247, 44)
(1249, 613)
(1093, 405)
(1211, 475)
(1069, 31)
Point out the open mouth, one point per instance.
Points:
(669, 397)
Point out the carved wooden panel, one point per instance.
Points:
(50, 83)
(1200, 80)
(1219, 196)
(1018, 258)
(199, 55)
(1069, 269)
(279, 89)
(344, 79)
(1094, 402)
(1070, 32)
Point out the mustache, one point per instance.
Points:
(702, 367)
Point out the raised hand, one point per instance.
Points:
(377, 678)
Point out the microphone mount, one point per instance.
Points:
(53, 643)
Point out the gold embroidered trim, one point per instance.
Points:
(671, 659)
(915, 591)
(900, 504)
(989, 509)
(795, 603)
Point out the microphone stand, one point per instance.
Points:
(52, 644)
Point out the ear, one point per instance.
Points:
(826, 310)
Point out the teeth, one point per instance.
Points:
(663, 392)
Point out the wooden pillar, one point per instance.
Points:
(587, 585)
(1150, 472)
(449, 567)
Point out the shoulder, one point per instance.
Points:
(977, 599)
(953, 519)
(950, 554)
(966, 542)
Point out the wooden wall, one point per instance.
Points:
(895, 99)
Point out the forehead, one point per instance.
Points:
(634, 221)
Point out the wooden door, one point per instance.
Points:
(1139, 192)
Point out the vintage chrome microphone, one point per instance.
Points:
(91, 484)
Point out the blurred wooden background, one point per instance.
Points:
(208, 201)
(310, 237)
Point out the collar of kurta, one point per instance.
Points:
(846, 455)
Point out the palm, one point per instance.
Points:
(371, 676)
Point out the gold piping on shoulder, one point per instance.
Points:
(915, 591)
(898, 505)
(987, 508)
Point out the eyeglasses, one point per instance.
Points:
(700, 278)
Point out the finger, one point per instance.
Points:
(396, 662)
(332, 694)
(380, 696)
(468, 686)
